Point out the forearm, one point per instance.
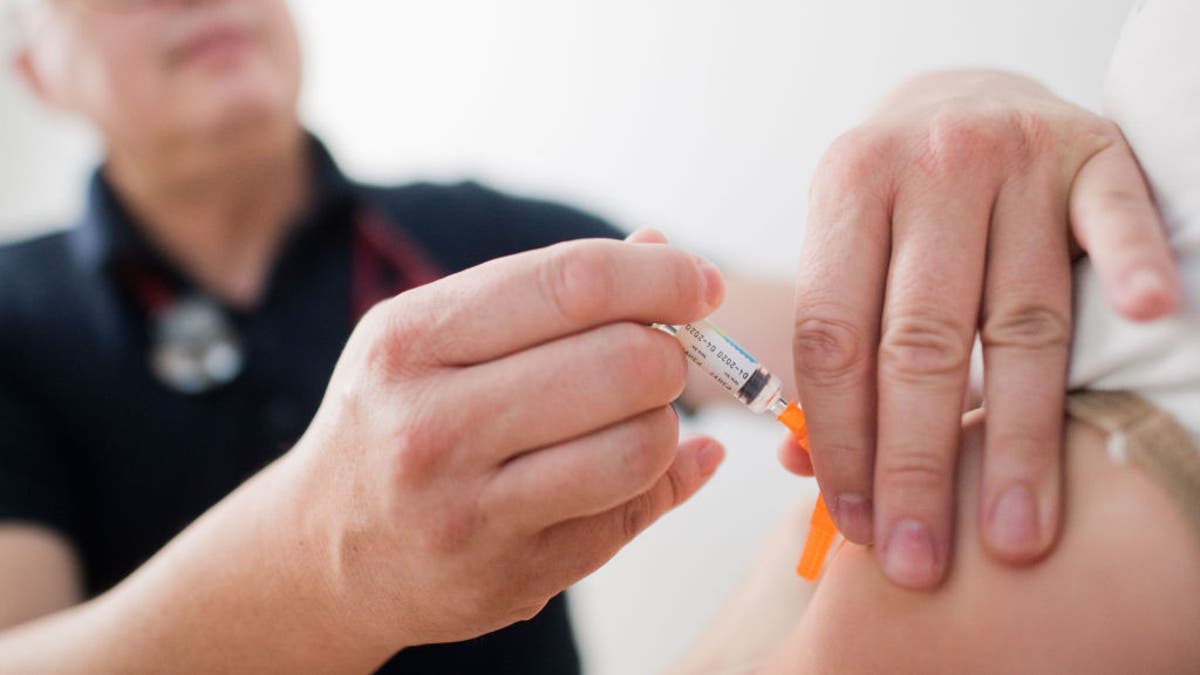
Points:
(232, 592)
(39, 572)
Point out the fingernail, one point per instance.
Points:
(714, 283)
(909, 558)
(1014, 524)
(853, 516)
(708, 458)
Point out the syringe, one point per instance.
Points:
(746, 379)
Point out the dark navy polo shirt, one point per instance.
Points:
(94, 447)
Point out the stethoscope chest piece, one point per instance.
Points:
(195, 346)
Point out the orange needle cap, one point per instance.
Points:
(821, 530)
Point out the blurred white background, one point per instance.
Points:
(704, 118)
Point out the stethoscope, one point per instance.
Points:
(195, 346)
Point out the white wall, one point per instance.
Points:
(701, 117)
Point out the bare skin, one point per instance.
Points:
(422, 504)
(379, 530)
(1118, 595)
(202, 138)
(47, 567)
(953, 212)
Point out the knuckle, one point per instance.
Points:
(851, 161)
(580, 281)
(958, 138)
(391, 318)
(649, 360)
(914, 472)
(913, 348)
(413, 466)
(1116, 199)
(828, 350)
(418, 454)
(1035, 133)
(375, 320)
(1104, 127)
(1097, 133)
(1115, 202)
(387, 335)
(649, 454)
(677, 488)
(1030, 326)
(1024, 451)
(689, 290)
(842, 467)
(375, 328)
(379, 356)
(636, 516)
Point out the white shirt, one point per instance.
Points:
(1153, 93)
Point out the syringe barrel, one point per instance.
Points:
(732, 367)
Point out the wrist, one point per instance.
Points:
(322, 533)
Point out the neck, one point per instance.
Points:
(220, 211)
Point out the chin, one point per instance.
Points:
(242, 108)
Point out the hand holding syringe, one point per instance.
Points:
(747, 380)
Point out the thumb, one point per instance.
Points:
(1114, 219)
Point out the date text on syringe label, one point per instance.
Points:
(717, 355)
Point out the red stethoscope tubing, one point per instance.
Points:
(384, 262)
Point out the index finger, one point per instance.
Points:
(839, 299)
(522, 300)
